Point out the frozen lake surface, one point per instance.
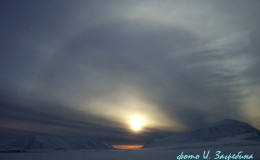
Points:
(141, 154)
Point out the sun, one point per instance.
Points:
(137, 123)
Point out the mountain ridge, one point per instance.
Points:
(38, 141)
(227, 131)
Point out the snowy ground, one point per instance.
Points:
(141, 154)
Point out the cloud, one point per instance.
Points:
(178, 64)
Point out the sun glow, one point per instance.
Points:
(128, 146)
(137, 123)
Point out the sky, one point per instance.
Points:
(86, 68)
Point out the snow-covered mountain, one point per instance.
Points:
(223, 133)
(86, 143)
(38, 142)
(51, 142)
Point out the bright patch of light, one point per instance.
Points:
(137, 123)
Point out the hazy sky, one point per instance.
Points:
(84, 68)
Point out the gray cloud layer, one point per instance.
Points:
(72, 65)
